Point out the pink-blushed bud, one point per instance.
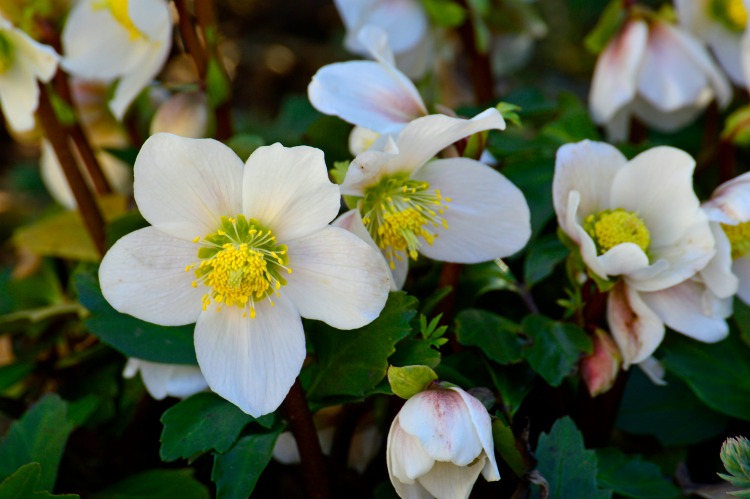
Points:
(439, 443)
(185, 114)
(599, 370)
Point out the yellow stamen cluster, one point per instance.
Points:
(739, 238)
(609, 228)
(6, 53)
(119, 10)
(400, 213)
(732, 13)
(241, 263)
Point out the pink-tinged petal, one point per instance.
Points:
(406, 458)
(487, 217)
(588, 168)
(424, 137)
(365, 93)
(599, 370)
(637, 330)
(441, 422)
(19, 96)
(717, 274)
(741, 268)
(337, 278)
(730, 202)
(143, 275)
(251, 362)
(184, 186)
(446, 480)
(690, 309)
(287, 190)
(483, 425)
(614, 81)
(652, 368)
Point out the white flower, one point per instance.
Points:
(405, 23)
(722, 24)
(185, 114)
(244, 252)
(439, 443)
(657, 72)
(23, 61)
(639, 220)
(454, 210)
(167, 380)
(109, 40)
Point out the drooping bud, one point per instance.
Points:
(599, 370)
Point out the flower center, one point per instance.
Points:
(119, 10)
(241, 263)
(399, 213)
(731, 13)
(6, 53)
(739, 238)
(609, 228)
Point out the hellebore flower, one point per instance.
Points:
(639, 220)
(454, 210)
(110, 40)
(23, 61)
(243, 252)
(167, 380)
(657, 72)
(439, 443)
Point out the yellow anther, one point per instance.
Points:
(196, 239)
(737, 13)
(739, 238)
(612, 227)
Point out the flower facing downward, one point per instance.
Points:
(166, 380)
(243, 252)
(439, 443)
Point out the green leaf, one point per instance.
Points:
(735, 455)
(411, 351)
(509, 112)
(557, 347)
(352, 363)
(131, 336)
(338, 172)
(407, 381)
(609, 24)
(719, 374)
(648, 409)
(35, 291)
(198, 424)
(156, 484)
(742, 319)
(737, 127)
(244, 144)
(543, 255)
(13, 373)
(514, 383)
(496, 336)
(481, 278)
(39, 436)
(445, 13)
(237, 471)
(569, 468)
(23, 484)
(573, 123)
(505, 445)
(218, 87)
(632, 476)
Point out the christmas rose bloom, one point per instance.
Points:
(23, 61)
(122, 40)
(439, 443)
(636, 220)
(243, 252)
(656, 72)
(166, 380)
(454, 210)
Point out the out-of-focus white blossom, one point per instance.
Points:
(184, 114)
(167, 380)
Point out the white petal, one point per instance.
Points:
(448, 481)
(285, 450)
(588, 168)
(53, 176)
(19, 96)
(251, 362)
(337, 278)
(369, 94)
(726, 45)
(637, 330)
(366, 170)
(741, 269)
(692, 15)
(41, 59)
(487, 217)
(162, 380)
(375, 40)
(407, 459)
(717, 274)
(361, 139)
(424, 137)
(614, 82)
(404, 21)
(287, 190)
(652, 368)
(184, 186)
(623, 259)
(745, 57)
(483, 424)
(143, 274)
(441, 422)
(730, 202)
(670, 121)
(417, 60)
(687, 309)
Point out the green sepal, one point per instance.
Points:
(407, 381)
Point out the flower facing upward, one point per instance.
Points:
(244, 252)
(439, 443)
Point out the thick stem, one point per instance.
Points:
(479, 64)
(190, 39)
(55, 133)
(311, 455)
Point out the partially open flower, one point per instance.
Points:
(167, 380)
(439, 443)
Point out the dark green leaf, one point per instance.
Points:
(482, 278)
(505, 445)
(632, 476)
(410, 352)
(445, 13)
(23, 484)
(237, 471)
(543, 256)
(719, 374)
(200, 423)
(569, 468)
(156, 484)
(40, 289)
(742, 319)
(351, 363)
(13, 373)
(496, 336)
(514, 383)
(131, 336)
(573, 124)
(218, 86)
(609, 24)
(557, 347)
(534, 177)
(244, 144)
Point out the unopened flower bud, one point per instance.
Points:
(183, 114)
(599, 370)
